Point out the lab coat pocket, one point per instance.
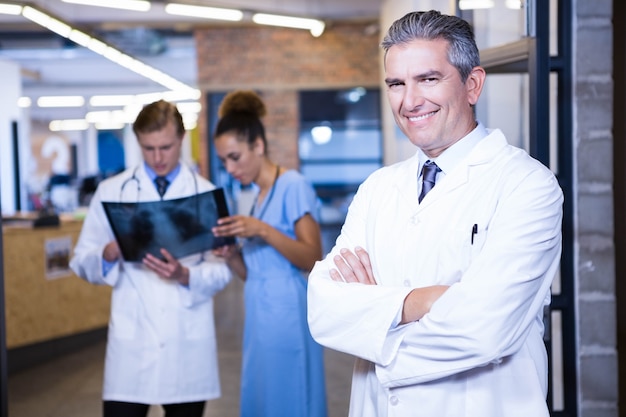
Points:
(477, 240)
(197, 324)
(459, 248)
(124, 314)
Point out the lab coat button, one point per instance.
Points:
(393, 400)
(407, 283)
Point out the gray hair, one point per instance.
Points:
(462, 50)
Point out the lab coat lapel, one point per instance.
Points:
(405, 181)
(148, 190)
(482, 153)
(183, 185)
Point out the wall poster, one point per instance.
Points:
(58, 251)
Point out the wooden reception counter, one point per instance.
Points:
(44, 299)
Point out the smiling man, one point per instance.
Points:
(438, 281)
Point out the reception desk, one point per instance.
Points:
(44, 300)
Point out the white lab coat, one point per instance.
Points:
(161, 341)
(479, 352)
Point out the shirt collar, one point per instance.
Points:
(451, 157)
(170, 176)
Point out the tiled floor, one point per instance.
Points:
(70, 386)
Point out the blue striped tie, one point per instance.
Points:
(429, 173)
(161, 183)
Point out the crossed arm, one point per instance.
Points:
(355, 267)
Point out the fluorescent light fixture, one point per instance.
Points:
(111, 100)
(316, 27)
(61, 101)
(171, 96)
(190, 121)
(189, 107)
(68, 124)
(13, 9)
(133, 109)
(232, 15)
(97, 46)
(109, 117)
(46, 21)
(514, 4)
(180, 95)
(24, 102)
(321, 134)
(111, 53)
(109, 126)
(109, 120)
(136, 5)
(79, 37)
(475, 4)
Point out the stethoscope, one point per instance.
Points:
(133, 178)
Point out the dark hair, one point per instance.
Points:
(241, 112)
(462, 50)
(155, 116)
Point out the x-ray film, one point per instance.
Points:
(182, 226)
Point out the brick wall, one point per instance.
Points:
(595, 303)
(278, 63)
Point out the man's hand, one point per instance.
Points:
(353, 267)
(419, 302)
(356, 267)
(170, 269)
(111, 252)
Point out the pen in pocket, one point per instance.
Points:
(474, 232)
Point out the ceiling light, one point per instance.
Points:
(475, 4)
(79, 37)
(514, 4)
(68, 124)
(61, 101)
(136, 5)
(46, 21)
(321, 134)
(189, 107)
(177, 96)
(110, 118)
(232, 15)
(109, 126)
(24, 102)
(108, 51)
(13, 9)
(315, 26)
(111, 100)
(190, 121)
(117, 116)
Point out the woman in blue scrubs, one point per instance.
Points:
(283, 367)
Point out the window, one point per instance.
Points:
(339, 145)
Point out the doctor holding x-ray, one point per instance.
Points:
(161, 346)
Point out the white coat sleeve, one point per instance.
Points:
(484, 317)
(206, 279)
(96, 233)
(498, 304)
(353, 318)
